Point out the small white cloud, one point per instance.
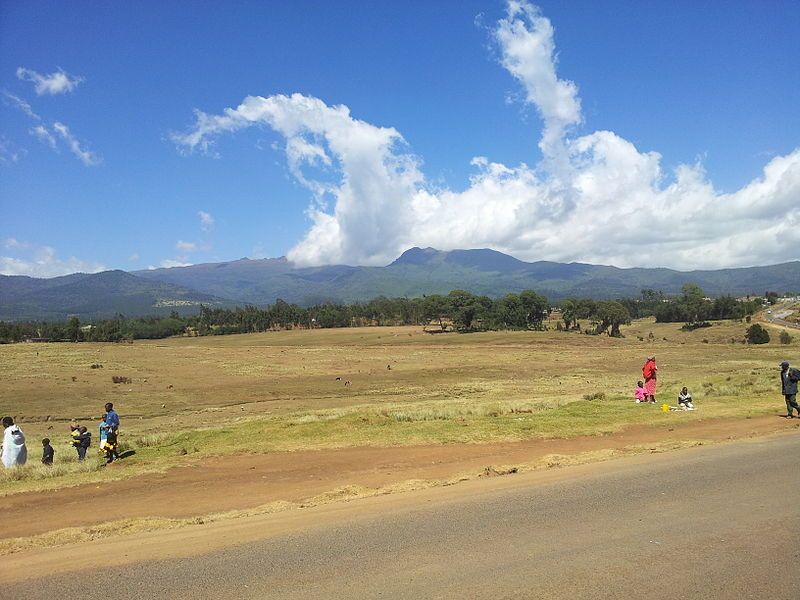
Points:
(14, 243)
(185, 246)
(169, 263)
(59, 82)
(206, 220)
(42, 261)
(133, 257)
(87, 157)
(21, 104)
(41, 133)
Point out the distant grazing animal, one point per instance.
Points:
(346, 383)
(338, 379)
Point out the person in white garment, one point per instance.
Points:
(14, 450)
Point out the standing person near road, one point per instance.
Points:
(112, 431)
(14, 450)
(112, 418)
(789, 379)
(109, 447)
(649, 371)
(48, 452)
(74, 432)
(103, 431)
(84, 440)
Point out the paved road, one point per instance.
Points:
(711, 523)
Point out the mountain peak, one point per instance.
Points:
(485, 259)
(480, 258)
(416, 256)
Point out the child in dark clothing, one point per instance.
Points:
(47, 452)
(84, 440)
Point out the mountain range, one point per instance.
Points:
(416, 272)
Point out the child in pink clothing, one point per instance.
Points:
(640, 393)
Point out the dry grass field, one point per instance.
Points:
(190, 398)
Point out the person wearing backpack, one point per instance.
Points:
(789, 379)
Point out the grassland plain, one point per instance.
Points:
(190, 398)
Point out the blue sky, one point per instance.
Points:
(107, 166)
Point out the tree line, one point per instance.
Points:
(459, 310)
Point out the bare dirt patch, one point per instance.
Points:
(246, 481)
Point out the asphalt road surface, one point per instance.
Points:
(709, 523)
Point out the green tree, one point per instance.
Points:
(756, 334)
(437, 308)
(610, 315)
(569, 313)
(73, 330)
(536, 308)
(465, 307)
(696, 307)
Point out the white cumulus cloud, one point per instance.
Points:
(594, 198)
(42, 261)
(59, 82)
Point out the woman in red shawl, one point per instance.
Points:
(649, 371)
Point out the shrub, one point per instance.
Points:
(595, 396)
(756, 334)
(785, 338)
(695, 325)
(120, 379)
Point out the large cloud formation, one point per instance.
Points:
(581, 202)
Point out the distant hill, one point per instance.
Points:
(416, 272)
(421, 271)
(94, 295)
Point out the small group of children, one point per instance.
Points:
(81, 438)
(684, 398)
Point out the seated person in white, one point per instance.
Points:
(685, 400)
